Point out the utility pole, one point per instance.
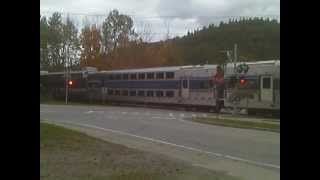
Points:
(67, 76)
(236, 73)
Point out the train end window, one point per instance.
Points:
(159, 93)
(150, 75)
(276, 84)
(169, 93)
(125, 76)
(185, 84)
(125, 92)
(133, 76)
(150, 93)
(117, 92)
(110, 91)
(118, 76)
(266, 83)
(169, 75)
(141, 76)
(133, 93)
(160, 75)
(140, 93)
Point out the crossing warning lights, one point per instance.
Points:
(70, 82)
(242, 81)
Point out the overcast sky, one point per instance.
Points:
(158, 16)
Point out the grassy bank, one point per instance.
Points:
(68, 155)
(274, 127)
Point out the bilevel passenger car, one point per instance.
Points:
(183, 86)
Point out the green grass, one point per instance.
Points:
(274, 127)
(69, 155)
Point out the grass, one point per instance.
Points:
(239, 124)
(69, 155)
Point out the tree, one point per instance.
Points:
(71, 44)
(145, 34)
(117, 30)
(91, 41)
(55, 42)
(44, 35)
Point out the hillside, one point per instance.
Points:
(257, 39)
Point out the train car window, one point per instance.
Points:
(118, 76)
(93, 85)
(125, 76)
(160, 75)
(276, 83)
(133, 76)
(110, 91)
(142, 76)
(169, 93)
(133, 93)
(111, 77)
(125, 92)
(140, 93)
(117, 92)
(150, 75)
(204, 84)
(185, 84)
(150, 93)
(266, 83)
(169, 75)
(159, 93)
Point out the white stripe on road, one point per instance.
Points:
(176, 145)
(163, 118)
(89, 112)
(156, 114)
(183, 120)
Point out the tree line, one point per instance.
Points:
(115, 44)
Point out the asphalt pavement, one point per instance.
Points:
(173, 128)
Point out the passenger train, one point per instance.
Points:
(257, 90)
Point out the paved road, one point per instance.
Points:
(261, 148)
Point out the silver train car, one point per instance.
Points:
(178, 86)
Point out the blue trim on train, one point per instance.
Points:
(170, 84)
(199, 84)
(227, 77)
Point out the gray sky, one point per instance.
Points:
(158, 16)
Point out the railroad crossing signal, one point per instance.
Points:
(242, 68)
(70, 82)
(242, 81)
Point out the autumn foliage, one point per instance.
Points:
(114, 44)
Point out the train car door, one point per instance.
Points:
(266, 88)
(185, 88)
(95, 92)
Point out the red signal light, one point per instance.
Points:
(242, 81)
(70, 83)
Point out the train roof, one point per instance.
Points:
(166, 69)
(160, 69)
(176, 68)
